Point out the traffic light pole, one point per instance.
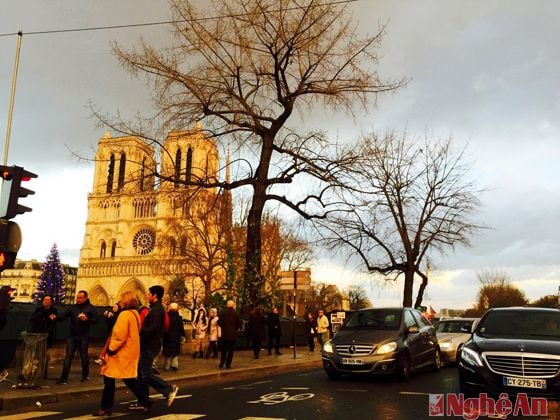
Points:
(12, 96)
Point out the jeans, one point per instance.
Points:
(227, 347)
(108, 396)
(80, 342)
(322, 338)
(274, 340)
(148, 379)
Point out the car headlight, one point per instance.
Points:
(445, 345)
(387, 348)
(470, 357)
(327, 347)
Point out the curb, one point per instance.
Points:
(38, 398)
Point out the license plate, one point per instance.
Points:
(525, 382)
(352, 361)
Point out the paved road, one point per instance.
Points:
(306, 394)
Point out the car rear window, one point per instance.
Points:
(380, 319)
(452, 326)
(521, 323)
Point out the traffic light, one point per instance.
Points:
(10, 241)
(12, 191)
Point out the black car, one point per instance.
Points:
(382, 341)
(513, 350)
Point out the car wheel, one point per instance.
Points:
(403, 368)
(436, 365)
(333, 375)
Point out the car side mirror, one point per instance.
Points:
(466, 329)
(413, 330)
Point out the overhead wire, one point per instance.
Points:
(168, 22)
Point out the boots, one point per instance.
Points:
(195, 355)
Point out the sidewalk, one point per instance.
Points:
(190, 370)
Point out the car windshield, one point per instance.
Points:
(379, 319)
(521, 323)
(453, 326)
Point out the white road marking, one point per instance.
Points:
(280, 397)
(263, 418)
(352, 390)
(30, 415)
(413, 393)
(178, 417)
(295, 388)
(158, 397)
(91, 416)
(229, 388)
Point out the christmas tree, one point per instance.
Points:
(51, 282)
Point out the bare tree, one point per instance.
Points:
(244, 68)
(358, 298)
(323, 296)
(408, 199)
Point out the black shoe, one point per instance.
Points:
(62, 382)
(174, 368)
(221, 365)
(84, 379)
(278, 353)
(228, 367)
(102, 412)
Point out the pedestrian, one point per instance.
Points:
(214, 333)
(229, 322)
(151, 334)
(200, 325)
(322, 328)
(7, 347)
(311, 331)
(123, 352)
(274, 331)
(173, 338)
(41, 320)
(82, 315)
(42, 323)
(257, 330)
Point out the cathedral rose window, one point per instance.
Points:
(144, 240)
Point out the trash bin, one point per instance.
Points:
(33, 361)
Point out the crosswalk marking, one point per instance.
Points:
(413, 393)
(30, 415)
(91, 416)
(244, 386)
(178, 417)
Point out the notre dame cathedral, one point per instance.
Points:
(141, 227)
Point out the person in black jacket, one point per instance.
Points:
(257, 330)
(229, 322)
(151, 334)
(274, 331)
(7, 347)
(42, 322)
(82, 315)
(173, 338)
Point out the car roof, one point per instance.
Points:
(524, 309)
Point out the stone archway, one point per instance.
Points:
(98, 296)
(135, 286)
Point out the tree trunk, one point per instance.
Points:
(420, 295)
(408, 286)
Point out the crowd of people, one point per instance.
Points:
(136, 335)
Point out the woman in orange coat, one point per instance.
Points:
(123, 353)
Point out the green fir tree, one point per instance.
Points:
(51, 282)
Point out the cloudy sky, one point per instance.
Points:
(483, 72)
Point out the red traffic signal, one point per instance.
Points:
(12, 191)
(10, 241)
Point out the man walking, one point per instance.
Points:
(82, 315)
(274, 331)
(151, 341)
(322, 328)
(229, 322)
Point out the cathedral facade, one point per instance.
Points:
(143, 224)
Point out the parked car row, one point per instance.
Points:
(511, 350)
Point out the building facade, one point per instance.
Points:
(143, 224)
(24, 277)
